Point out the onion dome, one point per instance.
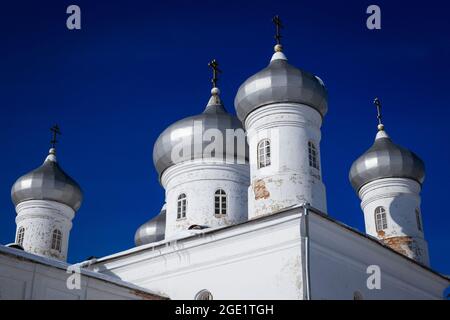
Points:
(153, 230)
(48, 182)
(280, 82)
(385, 159)
(187, 135)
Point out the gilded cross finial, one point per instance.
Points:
(55, 131)
(214, 65)
(377, 104)
(277, 21)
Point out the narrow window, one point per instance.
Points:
(20, 236)
(220, 203)
(56, 240)
(380, 218)
(204, 295)
(181, 206)
(418, 220)
(313, 159)
(263, 153)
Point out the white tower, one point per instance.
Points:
(46, 200)
(388, 180)
(202, 165)
(282, 109)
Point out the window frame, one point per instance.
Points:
(20, 236)
(56, 240)
(264, 153)
(419, 220)
(313, 155)
(220, 203)
(380, 215)
(181, 206)
(204, 295)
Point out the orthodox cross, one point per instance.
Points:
(215, 67)
(377, 104)
(277, 21)
(55, 131)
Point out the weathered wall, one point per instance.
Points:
(289, 179)
(40, 218)
(199, 180)
(339, 262)
(401, 198)
(262, 259)
(23, 277)
(251, 261)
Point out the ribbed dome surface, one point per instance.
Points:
(153, 230)
(280, 82)
(48, 182)
(385, 159)
(187, 134)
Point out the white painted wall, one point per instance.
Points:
(199, 179)
(400, 197)
(289, 180)
(264, 258)
(339, 262)
(250, 261)
(40, 218)
(24, 277)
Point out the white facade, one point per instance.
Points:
(289, 179)
(267, 258)
(395, 202)
(199, 180)
(25, 276)
(45, 226)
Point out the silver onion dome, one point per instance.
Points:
(187, 134)
(385, 159)
(280, 82)
(153, 230)
(48, 182)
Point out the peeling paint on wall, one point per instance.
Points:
(260, 190)
(406, 246)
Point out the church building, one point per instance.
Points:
(245, 214)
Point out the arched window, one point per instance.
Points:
(204, 295)
(263, 153)
(418, 220)
(20, 236)
(380, 218)
(181, 206)
(220, 203)
(312, 152)
(56, 240)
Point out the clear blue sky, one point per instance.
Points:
(138, 66)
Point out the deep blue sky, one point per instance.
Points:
(138, 66)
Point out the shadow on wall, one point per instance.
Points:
(402, 212)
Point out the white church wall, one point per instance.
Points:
(400, 198)
(199, 180)
(289, 179)
(339, 267)
(262, 259)
(249, 261)
(24, 276)
(40, 218)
